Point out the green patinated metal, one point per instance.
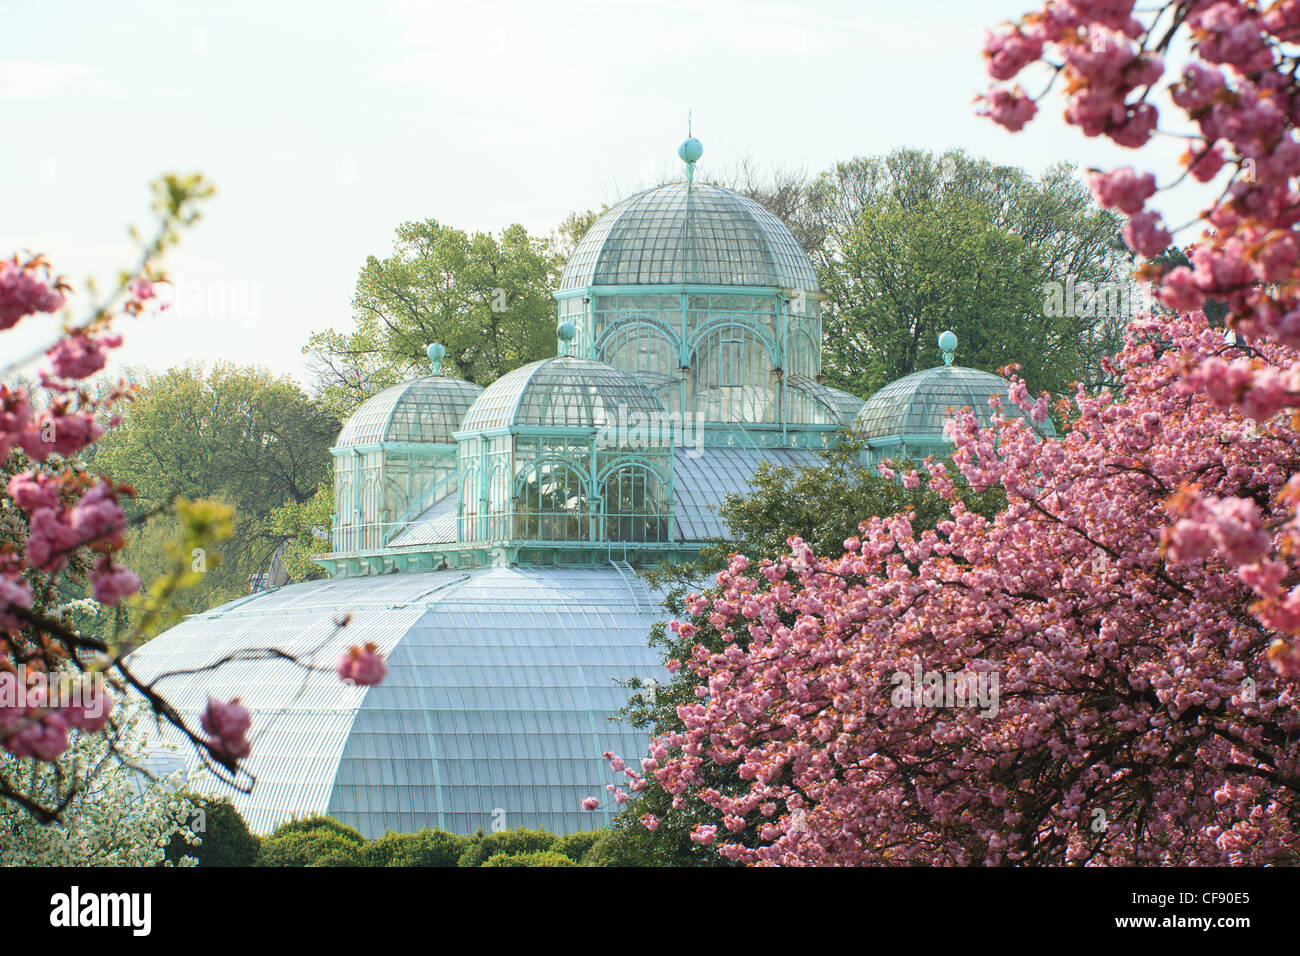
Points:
(689, 321)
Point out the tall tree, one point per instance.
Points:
(913, 243)
(487, 298)
(240, 435)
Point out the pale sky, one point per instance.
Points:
(325, 124)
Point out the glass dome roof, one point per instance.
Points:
(689, 233)
(426, 409)
(918, 404)
(565, 392)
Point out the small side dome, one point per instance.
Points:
(914, 408)
(841, 405)
(562, 392)
(428, 409)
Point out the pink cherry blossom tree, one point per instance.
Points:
(1114, 698)
(62, 528)
(1104, 672)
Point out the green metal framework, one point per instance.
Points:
(568, 452)
(722, 355)
(689, 317)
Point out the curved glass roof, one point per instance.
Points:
(919, 404)
(689, 233)
(426, 409)
(565, 392)
(842, 405)
(501, 686)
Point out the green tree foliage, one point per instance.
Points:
(823, 504)
(318, 840)
(628, 843)
(486, 297)
(483, 846)
(314, 848)
(225, 837)
(318, 823)
(917, 243)
(237, 435)
(576, 845)
(422, 848)
(541, 858)
(305, 528)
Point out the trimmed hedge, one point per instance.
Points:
(511, 842)
(315, 823)
(576, 845)
(543, 858)
(226, 838)
(319, 847)
(422, 848)
(633, 846)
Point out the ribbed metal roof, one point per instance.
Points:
(920, 403)
(689, 233)
(702, 479)
(428, 409)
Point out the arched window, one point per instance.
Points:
(640, 344)
(801, 354)
(635, 505)
(552, 503)
(647, 349)
(734, 377)
(468, 499)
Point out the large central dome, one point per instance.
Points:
(689, 234)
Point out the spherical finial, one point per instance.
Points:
(436, 353)
(948, 342)
(566, 331)
(691, 150)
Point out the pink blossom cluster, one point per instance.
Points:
(362, 666)
(227, 725)
(25, 289)
(1108, 597)
(36, 723)
(1238, 90)
(81, 354)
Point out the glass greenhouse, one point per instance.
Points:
(487, 539)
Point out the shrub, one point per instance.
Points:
(626, 847)
(482, 846)
(336, 858)
(576, 845)
(422, 848)
(227, 840)
(541, 858)
(318, 822)
(320, 847)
